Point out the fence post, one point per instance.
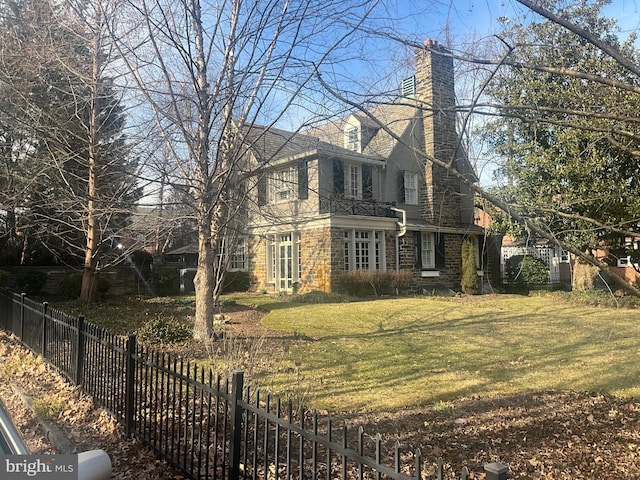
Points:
(496, 471)
(45, 305)
(129, 414)
(237, 384)
(80, 350)
(22, 297)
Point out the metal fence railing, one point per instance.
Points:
(206, 426)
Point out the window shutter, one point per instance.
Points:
(440, 248)
(367, 182)
(401, 197)
(303, 180)
(262, 190)
(338, 177)
(417, 244)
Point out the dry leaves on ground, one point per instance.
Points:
(538, 435)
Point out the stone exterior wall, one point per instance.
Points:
(448, 277)
(317, 260)
(436, 94)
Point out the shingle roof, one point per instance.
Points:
(270, 144)
(395, 117)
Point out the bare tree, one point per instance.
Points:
(209, 71)
(77, 180)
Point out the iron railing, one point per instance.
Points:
(206, 426)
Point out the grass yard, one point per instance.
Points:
(389, 354)
(396, 353)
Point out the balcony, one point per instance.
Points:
(339, 205)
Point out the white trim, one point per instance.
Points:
(430, 273)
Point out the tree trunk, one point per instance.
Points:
(89, 290)
(204, 283)
(89, 277)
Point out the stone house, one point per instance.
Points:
(354, 194)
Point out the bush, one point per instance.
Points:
(527, 270)
(4, 278)
(165, 329)
(368, 282)
(166, 282)
(31, 282)
(470, 279)
(141, 260)
(236, 282)
(71, 286)
(318, 297)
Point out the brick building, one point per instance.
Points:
(356, 194)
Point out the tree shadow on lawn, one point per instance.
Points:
(544, 434)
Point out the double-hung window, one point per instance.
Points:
(352, 181)
(427, 249)
(410, 188)
(238, 260)
(353, 140)
(282, 185)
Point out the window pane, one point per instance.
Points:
(428, 253)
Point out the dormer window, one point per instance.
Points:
(352, 138)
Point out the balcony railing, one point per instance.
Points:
(339, 205)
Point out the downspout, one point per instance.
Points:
(401, 233)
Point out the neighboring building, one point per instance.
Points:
(348, 195)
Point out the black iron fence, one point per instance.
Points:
(204, 425)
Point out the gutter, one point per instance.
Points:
(401, 233)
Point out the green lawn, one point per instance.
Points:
(389, 354)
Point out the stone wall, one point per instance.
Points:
(436, 96)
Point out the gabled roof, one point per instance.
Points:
(395, 117)
(269, 144)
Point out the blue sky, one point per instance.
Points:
(475, 19)
(479, 17)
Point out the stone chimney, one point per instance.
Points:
(436, 96)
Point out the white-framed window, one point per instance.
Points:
(282, 185)
(352, 181)
(283, 260)
(428, 250)
(238, 261)
(232, 253)
(364, 250)
(410, 188)
(352, 138)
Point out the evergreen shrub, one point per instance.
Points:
(470, 279)
(527, 270)
(31, 282)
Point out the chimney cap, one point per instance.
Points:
(434, 45)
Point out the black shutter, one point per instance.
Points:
(367, 182)
(338, 177)
(417, 243)
(401, 197)
(303, 180)
(440, 247)
(262, 190)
